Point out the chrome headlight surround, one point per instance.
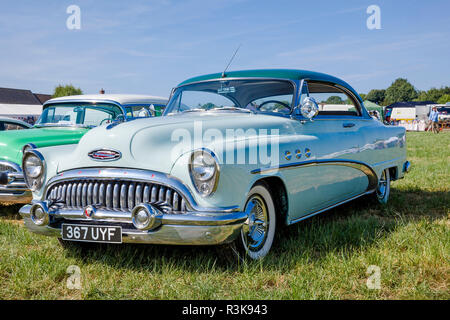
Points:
(34, 168)
(28, 146)
(204, 171)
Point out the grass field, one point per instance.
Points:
(326, 257)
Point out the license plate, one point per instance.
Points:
(90, 233)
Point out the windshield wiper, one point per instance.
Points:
(193, 110)
(232, 108)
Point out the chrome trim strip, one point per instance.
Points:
(365, 168)
(126, 174)
(329, 207)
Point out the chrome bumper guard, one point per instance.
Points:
(15, 190)
(191, 228)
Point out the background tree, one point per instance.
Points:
(363, 96)
(433, 94)
(334, 100)
(400, 90)
(444, 99)
(376, 95)
(67, 90)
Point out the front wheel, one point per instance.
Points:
(258, 232)
(384, 187)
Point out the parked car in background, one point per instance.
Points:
(64, 121)
(234, 156)
(13, 124)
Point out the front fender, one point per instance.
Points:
(52, 157)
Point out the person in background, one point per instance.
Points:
(433, 120)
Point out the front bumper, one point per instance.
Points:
(15, 190)
(192, 228)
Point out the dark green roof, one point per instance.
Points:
(274, 73)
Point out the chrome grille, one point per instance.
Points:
(114, 195)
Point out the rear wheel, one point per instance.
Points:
(258, 232)
(384, 187)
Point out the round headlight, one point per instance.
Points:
(33, 169)
(203, 166)
(204, 172)
(33, 166)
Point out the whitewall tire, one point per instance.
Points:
(384, 187)
(258, 233)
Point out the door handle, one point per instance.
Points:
(348, 125)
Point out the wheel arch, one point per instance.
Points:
(278, 190)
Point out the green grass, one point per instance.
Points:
(325, 257)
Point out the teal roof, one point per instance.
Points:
(291, 74)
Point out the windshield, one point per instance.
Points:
(273, 96)
(78, 114)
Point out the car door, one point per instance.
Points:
(329, 171)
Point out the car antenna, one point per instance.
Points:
(234, 54)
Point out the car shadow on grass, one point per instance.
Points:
(344, 229)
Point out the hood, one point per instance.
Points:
(12, 141)
(155, 143)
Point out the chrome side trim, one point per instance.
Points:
(365, 168)
(126, 174)
(329, 207)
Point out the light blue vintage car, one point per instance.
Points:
(234, 156)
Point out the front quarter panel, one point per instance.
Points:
(52, 156)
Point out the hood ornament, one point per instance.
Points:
(105, 155)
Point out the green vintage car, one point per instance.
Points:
(64, 121)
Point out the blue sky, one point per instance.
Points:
(149, 47)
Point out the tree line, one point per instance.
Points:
(402, 90)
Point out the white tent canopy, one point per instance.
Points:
(20, 110)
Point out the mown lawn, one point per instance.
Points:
(326, 257)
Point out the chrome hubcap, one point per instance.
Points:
(254, 231)
(382, 185)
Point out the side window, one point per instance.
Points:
(332, 100)
(13, 126)
(140, 112)
(95, 117)
(280, 104)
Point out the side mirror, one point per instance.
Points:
(309, 108)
